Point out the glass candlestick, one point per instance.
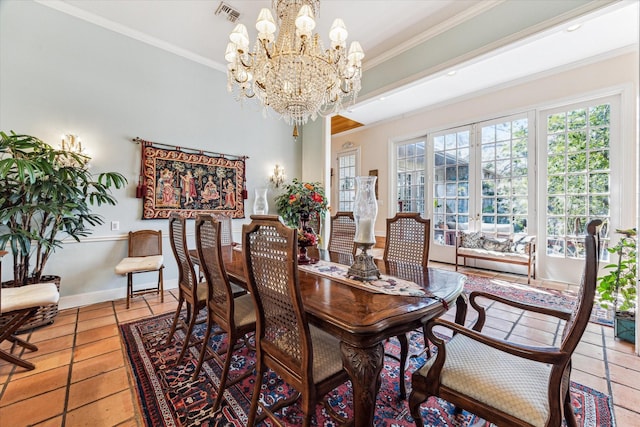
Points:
(260, 204)
(365, 210)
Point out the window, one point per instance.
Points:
(480, 179)
(578, 176)
(410, 169)
(504, 173)
(450, 184)
(347, 172)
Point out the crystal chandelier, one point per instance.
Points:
(291, 72)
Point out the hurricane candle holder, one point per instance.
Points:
(365, 210)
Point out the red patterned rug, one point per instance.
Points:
(534, 295)
(168, 396)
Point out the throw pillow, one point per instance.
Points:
(521, 243)
(471, 240)
(497, 245)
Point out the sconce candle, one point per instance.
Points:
(278, 176)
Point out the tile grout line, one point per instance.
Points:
(68, 388)
(606, 364)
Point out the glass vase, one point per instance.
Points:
(365, 209)
(260, 204)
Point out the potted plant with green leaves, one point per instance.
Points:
(46, 195)
(618, 288)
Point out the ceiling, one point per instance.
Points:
(191, 28)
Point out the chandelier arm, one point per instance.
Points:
(248, 64)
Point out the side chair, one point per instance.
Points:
(407, 242)
(190, 290)
(341, 236)
(505, 382)
(234, 316)
(144, 255)
(303, 355)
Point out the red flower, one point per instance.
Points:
(316, 197)
(292, 198)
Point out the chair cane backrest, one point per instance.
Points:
(272, 274)
(145, 243)
(343, 232)
(408, 237)
(209, 241)
(187, 278)
(226, 231)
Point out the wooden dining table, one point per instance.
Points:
(363, 320)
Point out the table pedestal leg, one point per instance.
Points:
(363, 366)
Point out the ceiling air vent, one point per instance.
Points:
(226, 10)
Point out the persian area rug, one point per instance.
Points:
(533, 295)
(168, 397)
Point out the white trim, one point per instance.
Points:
(64, 7)
(88, 298)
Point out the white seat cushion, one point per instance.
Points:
(141, 263)
(507, 256)
(503, 381)
(36, 295)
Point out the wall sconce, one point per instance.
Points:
(71, 143)
(278, 176)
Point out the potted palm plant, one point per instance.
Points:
(46, 195)
(618, 288)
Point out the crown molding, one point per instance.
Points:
(64, 7)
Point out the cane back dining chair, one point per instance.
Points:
(226, 239)
(341, 236)
(505, 382)
(234, 316)
(144, 255)
(190, 290)
(407, 242)
(304, 356)
(407, 238)
(17, 306)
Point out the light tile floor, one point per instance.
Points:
(81, 376)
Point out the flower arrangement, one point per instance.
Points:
(307, 237)
(300, 198)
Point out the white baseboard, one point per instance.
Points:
(79, 300)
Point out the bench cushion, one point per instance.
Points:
(499, 256)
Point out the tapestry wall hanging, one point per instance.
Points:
(190, 182)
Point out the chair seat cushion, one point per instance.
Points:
(29, 296)
(327, 357)
(244, 312)
(500, 380)
(138, 264)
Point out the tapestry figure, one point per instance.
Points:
(166, 188)
(210, 190)
(188, 187)
(230, 196)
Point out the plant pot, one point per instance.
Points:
(44, 315)
(624, 327)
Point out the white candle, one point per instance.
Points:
(365, 231)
